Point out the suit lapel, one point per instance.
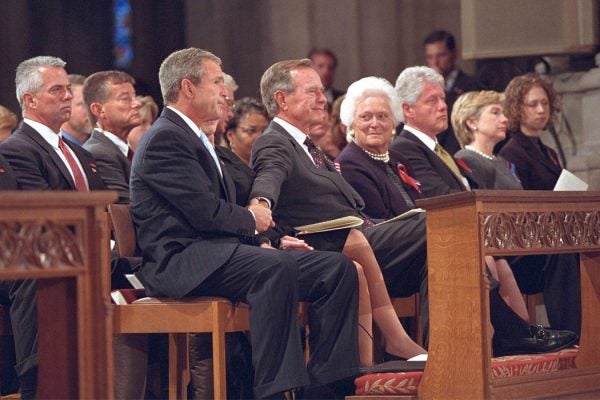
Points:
(54, 157)
(437, 163)
(226, 187)
(537, 153)
(333, 176)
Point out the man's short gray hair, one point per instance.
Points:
(410, 82)
(230, 82)
(28, 77)
(278, 78)
(179, 65)
(365, 87)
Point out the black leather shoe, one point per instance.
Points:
(542, 340)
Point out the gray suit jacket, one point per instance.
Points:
(113, 166)
(300, 192)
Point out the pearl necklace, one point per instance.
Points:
(385, 157)
(482, 154)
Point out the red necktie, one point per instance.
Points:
(77, 172)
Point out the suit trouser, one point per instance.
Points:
(23, 318)
(558, 277)
(272, 282)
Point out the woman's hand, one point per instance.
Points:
(290, 242)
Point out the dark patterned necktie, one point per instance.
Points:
(320, 159)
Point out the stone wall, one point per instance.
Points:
(579, 122)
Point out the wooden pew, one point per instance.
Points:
(59, 238)
(463, 228)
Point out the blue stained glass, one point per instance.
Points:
(122, 43)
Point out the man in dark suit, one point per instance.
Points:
(425, 117)
(421, 93)
(288, 182)
(114, 110)
(325, 63)
(197, 241)
(440, 54)
(77, 129)
(41, 160)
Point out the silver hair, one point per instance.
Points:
(179, 65)
(410, 82)
(28, 77)
(278, 78)
(365, 87)
(230, 82)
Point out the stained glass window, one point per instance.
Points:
(122, 35)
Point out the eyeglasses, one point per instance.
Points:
(127, 99)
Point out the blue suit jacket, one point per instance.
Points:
(185, 215)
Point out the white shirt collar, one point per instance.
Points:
(202, 136)
(427, 140)
(188, 121)
(48, 134)
(123, 147)
(296, 133)
(52, 138)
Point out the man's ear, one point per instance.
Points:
(407, 111)
(187, 88)
(96, 109)
(29, 100)
(280, 99)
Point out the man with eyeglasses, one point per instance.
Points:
(114, 111)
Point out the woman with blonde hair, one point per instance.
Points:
(8, 122)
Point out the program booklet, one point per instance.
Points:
(406, 214)
(331, 225)
(569, 181)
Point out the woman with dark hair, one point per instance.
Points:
(249, 120)
(530, 106)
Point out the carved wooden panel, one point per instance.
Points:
(539, 230)
(39, 245)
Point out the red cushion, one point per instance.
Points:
(407, 383)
